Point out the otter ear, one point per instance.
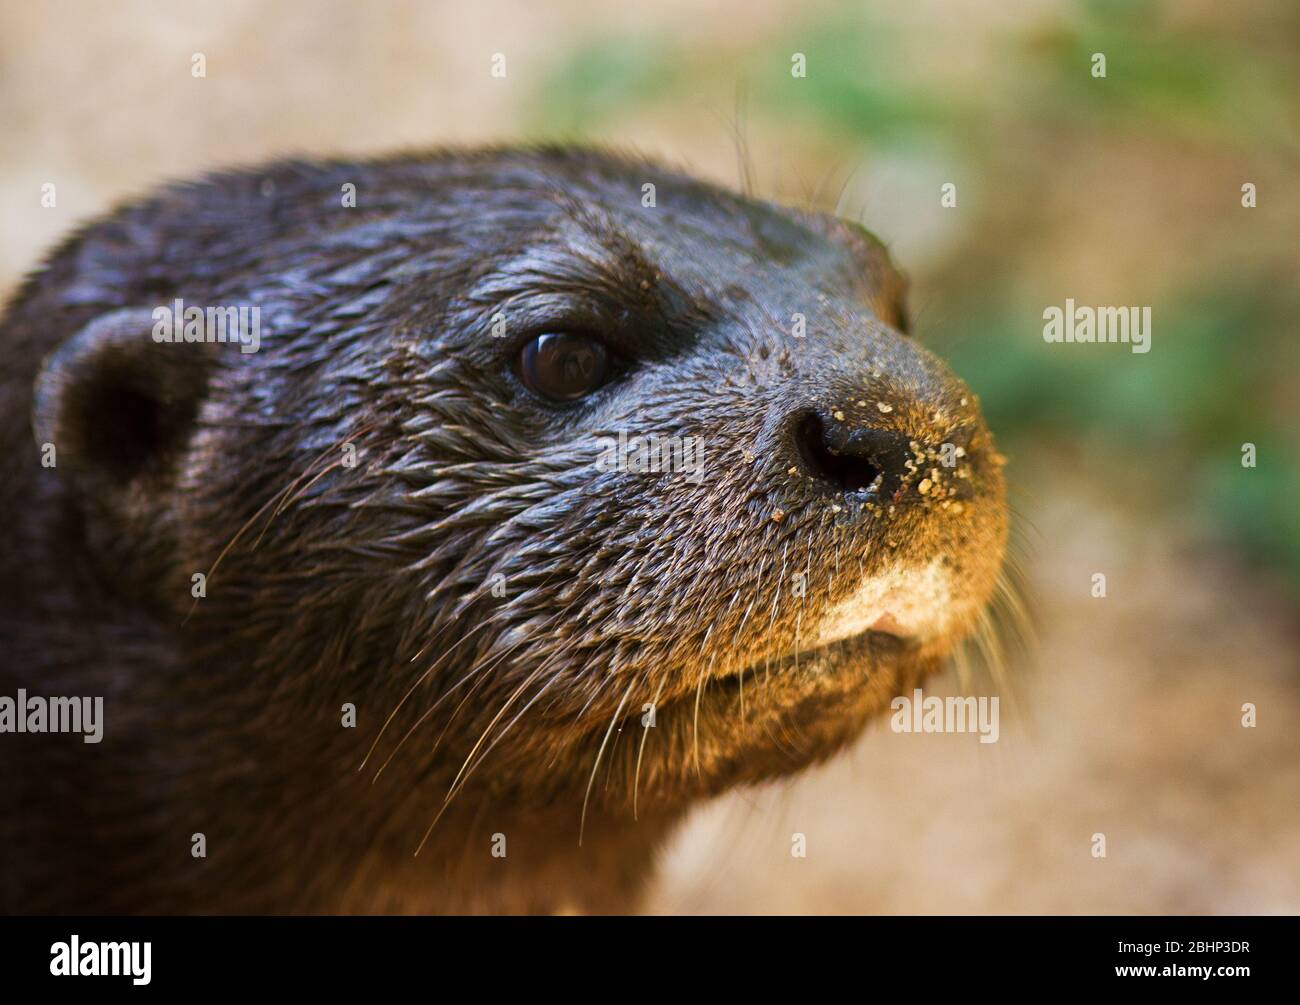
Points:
(118, 406)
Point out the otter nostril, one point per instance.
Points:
(849, 461)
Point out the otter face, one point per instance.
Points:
(712, 508)
(660, 495)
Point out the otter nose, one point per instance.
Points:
(851, 459)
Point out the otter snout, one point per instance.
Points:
(882, 461)
(866, 459)
(850, 458)
(878, 425)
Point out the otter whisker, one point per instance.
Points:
(582, 824)
(1004, 619)
(798, 624)
(277, 497)
(776, 601)
(456, 790)
(463, 775)
(618, 735)
(455, 713)
(455, 785)
(411, 690)
(495, 719)
(238, 534)
(699, 692)
(286, 501)
(645, 734)
(479, 667)
(742, 140)
(736, 644)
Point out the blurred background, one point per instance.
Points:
(1125, 189)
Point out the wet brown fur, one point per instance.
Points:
(519, 715)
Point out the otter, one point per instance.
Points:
(376, 623)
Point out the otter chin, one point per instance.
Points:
(377, 612)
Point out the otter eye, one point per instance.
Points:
(563, 366)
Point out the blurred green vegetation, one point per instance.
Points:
(1176, 417)
(1224, 369)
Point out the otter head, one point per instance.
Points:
(587, 483)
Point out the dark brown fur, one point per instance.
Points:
(371, 584)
